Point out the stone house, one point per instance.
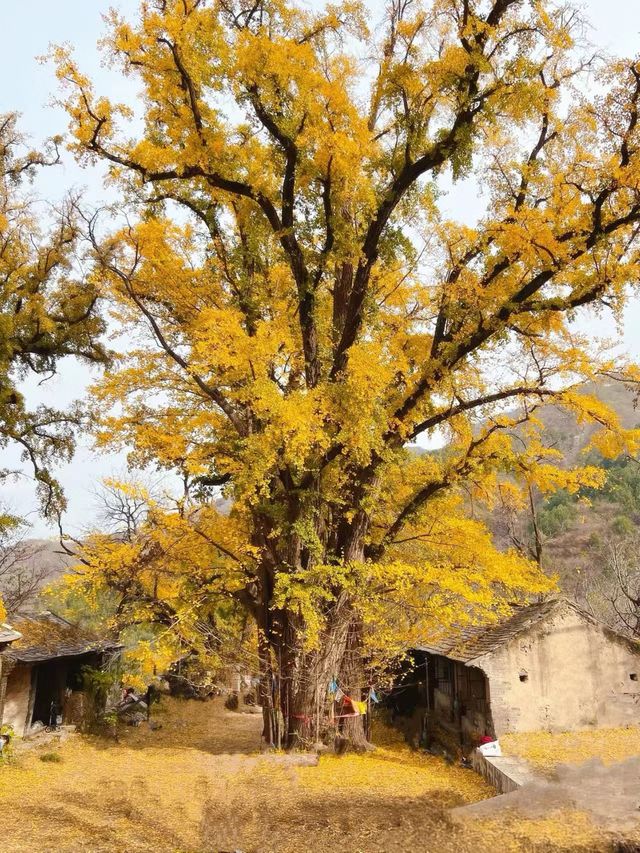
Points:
(7, 636)
(43, 663)
(547, 667)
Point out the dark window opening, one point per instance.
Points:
(444, 675)
(524, 676)
(633, 676)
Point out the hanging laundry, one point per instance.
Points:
(361, 707)
(333, 686)
(374, 696)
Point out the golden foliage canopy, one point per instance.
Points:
(301, 310)
(46, 310)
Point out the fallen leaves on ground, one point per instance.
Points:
(545, 750)
(200, 785)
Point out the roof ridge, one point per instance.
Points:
(44, 635)
(612, 631)
(523, 610)
(519, 619)
(8, 633)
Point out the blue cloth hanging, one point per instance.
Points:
(373, 695)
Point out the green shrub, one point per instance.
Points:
(595, 541)
(557, 514)
(622, 525)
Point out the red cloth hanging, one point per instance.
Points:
(348, 707)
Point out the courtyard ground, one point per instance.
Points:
(200, 784)
(546, 750)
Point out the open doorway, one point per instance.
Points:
(49, 687)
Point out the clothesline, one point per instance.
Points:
(331, 717)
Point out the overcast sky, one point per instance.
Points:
(28, 29)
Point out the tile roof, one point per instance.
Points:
(44, 636)
(7, 634)
(466, 644)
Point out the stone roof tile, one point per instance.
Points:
(470, 642)
(44, 636)
(7, 634)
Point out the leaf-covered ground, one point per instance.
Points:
(545, 750)
(199, 784)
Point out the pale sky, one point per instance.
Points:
(28, 29)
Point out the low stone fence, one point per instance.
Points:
(505, 773)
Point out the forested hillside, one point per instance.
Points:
(590, 539)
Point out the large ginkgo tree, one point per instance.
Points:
(299, 311)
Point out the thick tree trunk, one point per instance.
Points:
(307, 675)
(353, 732)
(270, 719)
(304, 676)
(296, 679)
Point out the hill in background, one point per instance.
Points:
(27, 566)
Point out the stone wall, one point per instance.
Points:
(493, 773)
(74, 709)
(16, 702)
(4, 673)
(565, 673)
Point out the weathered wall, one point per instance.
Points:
(3, 683)
(74, 707)
(577, 676)
(16, 701)
(493, 773)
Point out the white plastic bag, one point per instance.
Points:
(491, 749)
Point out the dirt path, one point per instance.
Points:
(199, 785)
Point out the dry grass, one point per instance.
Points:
(199, 785)
(545, 750)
